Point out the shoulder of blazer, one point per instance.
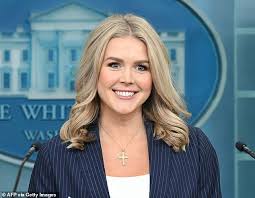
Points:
(200, 140)
(208, 160)
(53, 145)
(55, 151)
(42, 179)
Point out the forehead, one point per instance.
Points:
(127, 46)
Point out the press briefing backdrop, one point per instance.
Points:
(210, 44)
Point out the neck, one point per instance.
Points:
(122, 125)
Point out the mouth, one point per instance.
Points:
(126, 94)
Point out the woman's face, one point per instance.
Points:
(125, 80)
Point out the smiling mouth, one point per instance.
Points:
(125, 93)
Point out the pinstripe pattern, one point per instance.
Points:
(81, 174)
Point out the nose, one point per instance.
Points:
(127, 76)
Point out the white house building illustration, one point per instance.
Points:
(41, 63)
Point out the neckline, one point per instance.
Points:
(120, 177)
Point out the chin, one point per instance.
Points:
(126, 111)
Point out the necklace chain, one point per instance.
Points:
(123, 155)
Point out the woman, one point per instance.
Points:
(126, 135)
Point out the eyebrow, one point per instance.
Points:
(121, 61)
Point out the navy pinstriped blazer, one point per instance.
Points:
(81, 174)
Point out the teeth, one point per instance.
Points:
(124, 93)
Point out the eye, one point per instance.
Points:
(142, 67)
(114, 65)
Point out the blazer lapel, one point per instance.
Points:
(160, 156)
(93, 167)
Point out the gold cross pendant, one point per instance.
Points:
(123, 156)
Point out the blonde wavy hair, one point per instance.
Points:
(164, 107)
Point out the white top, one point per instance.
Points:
(126, 187)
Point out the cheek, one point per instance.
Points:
(146, 83)
(105, 79)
